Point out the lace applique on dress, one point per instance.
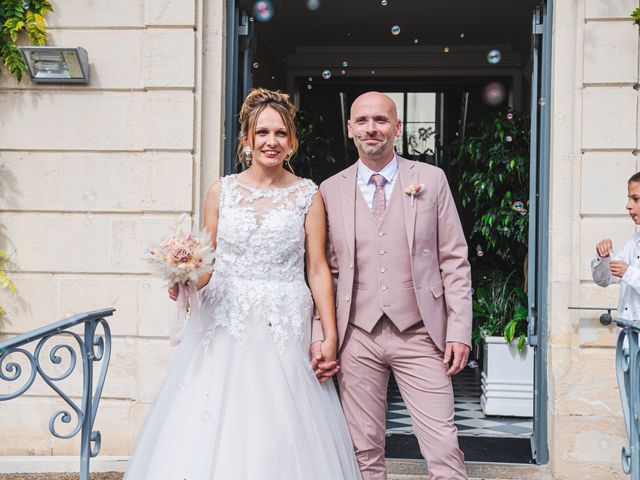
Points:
(259, 275)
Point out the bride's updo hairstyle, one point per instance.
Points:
(257, 100)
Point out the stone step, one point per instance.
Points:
(416, 470)
(398, 470)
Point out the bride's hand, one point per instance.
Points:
(173, 292)
(327, 366)
(329, 350)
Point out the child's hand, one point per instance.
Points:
(618, 267)
(604, 248)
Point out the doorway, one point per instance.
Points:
(448, 65)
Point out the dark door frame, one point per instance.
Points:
(238, 26)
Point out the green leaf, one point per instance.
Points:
(510, 331)
(522, 342)
(18, 19)
(521, 313)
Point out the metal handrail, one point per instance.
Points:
(605, 318)
(92, 348)
(628, 376)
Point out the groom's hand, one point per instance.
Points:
(456, 354)
(323, 368)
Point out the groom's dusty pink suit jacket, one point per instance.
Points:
(441, 278)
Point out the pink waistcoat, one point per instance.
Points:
(381, 287)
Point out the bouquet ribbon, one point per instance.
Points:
(187, 301)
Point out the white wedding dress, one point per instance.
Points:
(240, 400)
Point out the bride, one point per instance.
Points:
(241, 400)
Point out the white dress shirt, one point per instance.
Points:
(629, 299)
(389, 172)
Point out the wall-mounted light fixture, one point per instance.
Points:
(57, 64)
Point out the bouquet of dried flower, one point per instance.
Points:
(180, 259)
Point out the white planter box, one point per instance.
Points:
(507, 379)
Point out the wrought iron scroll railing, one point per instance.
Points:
(628, 373)
(33, 355)
(628, 377)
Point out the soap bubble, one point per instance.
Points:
(518, 206)
(462, 35)
(494, 94)
(309, 87)
(508, 138)
(415, 40)
(343, 72)
(345, 64)
(326, 74)
(256, 65)
(542, 101)
(373, 72)
(509, 116)
(395, 30)
(310, 79)
(263, 10)
(445, 49)
(383, 3)
(494, 57)
(313, 4)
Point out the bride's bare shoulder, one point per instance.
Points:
(213, 194)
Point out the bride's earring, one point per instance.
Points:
(246, 156)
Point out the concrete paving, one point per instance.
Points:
(398, 470)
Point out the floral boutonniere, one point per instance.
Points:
(413, 191)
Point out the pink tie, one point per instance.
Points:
(379, 201)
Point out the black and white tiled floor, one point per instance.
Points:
(470, 420)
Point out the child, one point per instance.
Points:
(624, 266)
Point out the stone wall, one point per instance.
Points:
(90, 176)
(594, 152)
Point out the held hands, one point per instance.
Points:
(456, 354)
(604, 248)
(323, 359)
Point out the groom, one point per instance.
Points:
(403, 293)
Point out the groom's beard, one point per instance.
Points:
(373, 151)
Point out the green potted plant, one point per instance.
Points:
(493, 186)
(493, 165)
(500, 309)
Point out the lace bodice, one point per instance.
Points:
(261, 231)
(259, 271)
